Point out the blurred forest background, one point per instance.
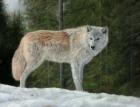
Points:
(115, 70)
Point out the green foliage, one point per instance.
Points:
(10, 35)
(116, 69)
(42, 14)
(3, 24)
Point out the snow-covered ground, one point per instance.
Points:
(55, 97)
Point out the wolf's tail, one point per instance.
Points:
(18, 63)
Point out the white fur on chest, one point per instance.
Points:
(83, 56)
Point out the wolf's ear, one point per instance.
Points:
(88, 28)
(105, 29)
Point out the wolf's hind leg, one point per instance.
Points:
(28, 70)
(24, 76)
(34, 59)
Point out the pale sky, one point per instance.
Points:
(13, 5)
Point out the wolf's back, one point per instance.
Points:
(18, 62)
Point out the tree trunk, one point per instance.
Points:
(61, 69)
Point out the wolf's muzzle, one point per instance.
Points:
(92, 47)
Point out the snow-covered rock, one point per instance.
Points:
(54, 97)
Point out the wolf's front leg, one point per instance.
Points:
(77, 74)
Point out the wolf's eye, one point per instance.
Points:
(97, 39)
(90, 38)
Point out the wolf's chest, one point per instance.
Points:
(84, 56)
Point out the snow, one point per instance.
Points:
(54, 97)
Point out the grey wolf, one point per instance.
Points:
(76, 46)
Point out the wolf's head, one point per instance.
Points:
(96, 38)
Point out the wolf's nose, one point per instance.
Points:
(92, 47)
(104, 30)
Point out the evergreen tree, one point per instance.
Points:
(10, 34)
(116, 69)
(3, 32)
(42, 14)
(3, 24)
(112, 66)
